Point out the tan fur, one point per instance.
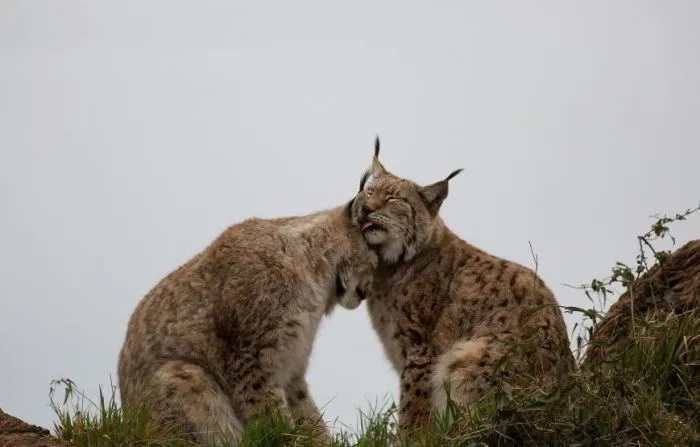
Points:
(445, 311)
(217, 338)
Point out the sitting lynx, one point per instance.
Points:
(446, 311)
(234, 326)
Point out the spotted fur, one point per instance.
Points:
(232, 329)
(446, 312)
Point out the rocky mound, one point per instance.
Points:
(17, 433)
(672, 286)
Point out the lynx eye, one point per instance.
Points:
(393, 199)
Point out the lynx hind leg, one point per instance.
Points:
(187, 395)
(465, 371)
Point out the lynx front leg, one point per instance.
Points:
(258, 392)
(415, 400)
(257, 387)
(304, 409)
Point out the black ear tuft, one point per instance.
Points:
(454, 173)
(364, 178)
(376, 146)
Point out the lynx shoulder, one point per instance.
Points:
(231, 330)
(447, 312)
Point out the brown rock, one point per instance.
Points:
(671, 286)
(17, 433)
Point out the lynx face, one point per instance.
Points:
(354, 280)
(355, 290)
(392, 216)
(395, 215)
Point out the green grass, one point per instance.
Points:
(647, 395)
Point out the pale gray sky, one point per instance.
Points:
(132, 133)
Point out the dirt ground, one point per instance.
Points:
(17, 433)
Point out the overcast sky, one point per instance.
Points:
(132, 133)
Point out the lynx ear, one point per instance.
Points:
(435, 194)
(377, 168)
(364, 178)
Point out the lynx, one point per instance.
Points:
(445, 311)
(231, 331)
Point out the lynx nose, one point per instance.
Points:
(366, 210)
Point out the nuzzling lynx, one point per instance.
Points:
(233, 327)
(446, 311)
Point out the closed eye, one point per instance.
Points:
(393, 199)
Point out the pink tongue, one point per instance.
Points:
(366, 225)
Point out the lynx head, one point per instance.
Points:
(395, 215)
(354, 279)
